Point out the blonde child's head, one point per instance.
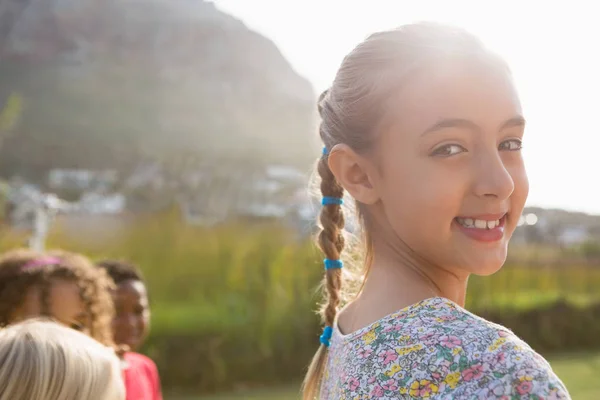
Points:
(44, 360)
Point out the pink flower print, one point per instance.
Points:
(556, 395)
(499, 358)
(450, 341)
(387, 356)
(353, 384)
(524, 387)
(503, 334)
(473, 373)
(400, 315)
(428, 339)
(388, 329)
(390, 385)
(365, 352)
(372, 380)
(377, 391)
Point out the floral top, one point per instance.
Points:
(436, 350)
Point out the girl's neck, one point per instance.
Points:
(399, 278)
(406, 280)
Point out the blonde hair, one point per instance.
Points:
(43, 360)
(351, 112)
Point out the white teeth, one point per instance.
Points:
(478, 223)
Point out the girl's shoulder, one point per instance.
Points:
(433, 317)
(438, 349)
(140, 362)
(141, 377)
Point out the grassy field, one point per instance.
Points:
(578, 371)
(241, 297)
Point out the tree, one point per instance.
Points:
(10, 114)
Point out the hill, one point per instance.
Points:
(107, 82)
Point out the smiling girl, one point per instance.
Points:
(62, 285)
(423, 128)
(130, 328)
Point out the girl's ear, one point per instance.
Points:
(354, 172)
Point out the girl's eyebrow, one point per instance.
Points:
(515, 121)
(451, 123)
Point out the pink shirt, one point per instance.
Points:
(141, 378)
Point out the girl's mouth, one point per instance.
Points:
(481, 222)
(483, 228)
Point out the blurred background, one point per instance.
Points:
(181, 134)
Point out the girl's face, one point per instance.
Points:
(132, 314)
(64, 304)
(451, 179)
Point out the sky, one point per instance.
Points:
(552, 47)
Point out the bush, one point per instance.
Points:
(591, 250)
(555, 327)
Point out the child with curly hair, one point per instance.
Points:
(62, 285)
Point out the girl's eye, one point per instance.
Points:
(77, 326)
(448, 150)
(511, 145)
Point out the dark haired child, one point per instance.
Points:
(130, 327)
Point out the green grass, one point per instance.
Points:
(283, 393)
(248, 291)
(579, 372)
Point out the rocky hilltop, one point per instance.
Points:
(106, 82)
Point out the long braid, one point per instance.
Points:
(331, 239)
(331, 242)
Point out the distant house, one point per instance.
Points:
(97, 203)
(20, 204)
(81, 179)
(285, 173)
(25, 203)
(271, 193)
(146, 175)
(573, 235)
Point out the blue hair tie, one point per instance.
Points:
(327, 201)
(325, 338)
(332, 264)
(325, 151)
